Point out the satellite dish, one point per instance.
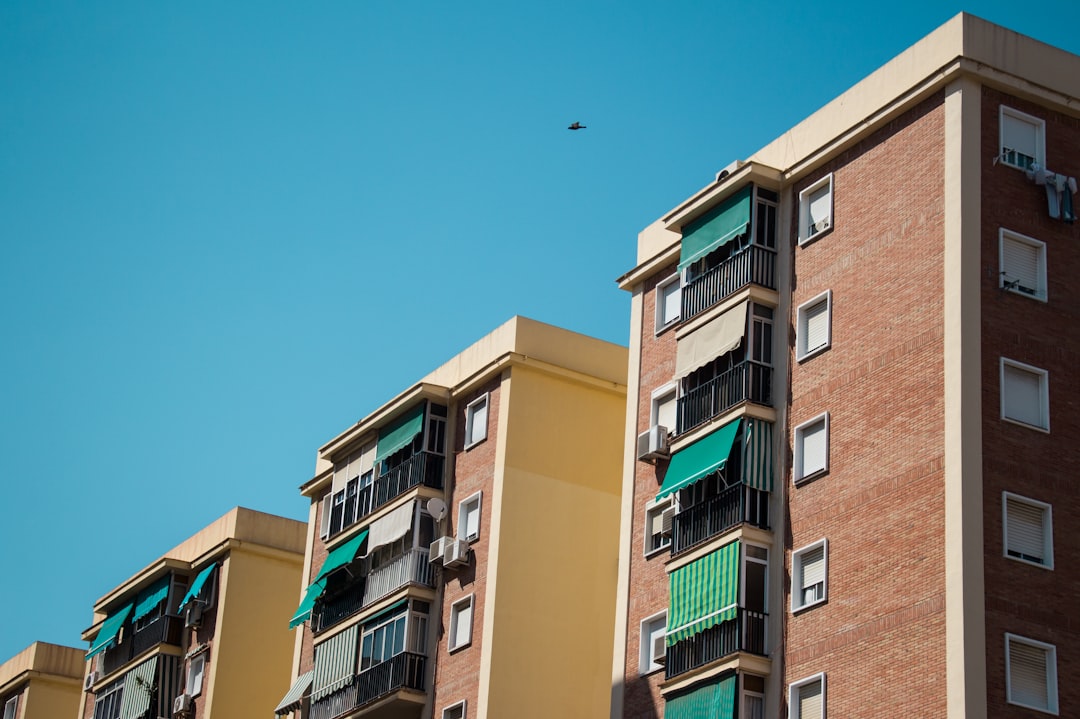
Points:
(436, 508)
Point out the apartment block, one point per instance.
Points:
(197, 633)
(43, 681)
(462, 542)
(851, 405)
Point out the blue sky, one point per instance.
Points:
(230, 230)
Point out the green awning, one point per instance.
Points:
(704, 593)
(303, 612)
(139, 686)
(396, 606)
(757, 458)
(709, 454)
(335, 663)
(196, 586)
(106, 636)
(716, 700)
(342, 555)
(399, 433)
(716, 227)
(149, 598)
(297, 692)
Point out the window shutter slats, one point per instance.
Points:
(1027, 675)
(816, 330)
(1019, 135)
(1023, 398)
(813, 449)
(813, 567)
(1021, 264)
(1026, 535)
(810, 701)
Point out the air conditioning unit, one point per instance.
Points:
(455, 553)
(667, 521)
(437, 549)
(652, 443)
(193, 615)
(90, 680)
(181, 705)
(659, 650)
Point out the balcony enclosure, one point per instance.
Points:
(728, 248)
(153, 620)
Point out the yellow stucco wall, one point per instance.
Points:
(49, 679)
(251, 657)
(551, 623)
(50, 698)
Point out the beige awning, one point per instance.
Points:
(391, 528)
(708, 342)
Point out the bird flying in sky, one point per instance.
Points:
(576, 126)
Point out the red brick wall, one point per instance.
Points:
(318, 552)
(1020, 598)
(880, 636)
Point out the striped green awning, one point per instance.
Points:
(716, 227)
(138, 689)
(106, 636)
(757, 458)
(399, 433)
(715, 701)
(196, 586)
(335, 663)
(311, 595)
(295, 697)
(150, 597)
(704, 593)
(709, 454)
(342, 555)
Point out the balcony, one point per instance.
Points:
(410, 568)
(164, 629)
(730, 508)
(744, 633)
(747, 381)
(340, 606)
(403, 671)
(423, 468)
(751, 265)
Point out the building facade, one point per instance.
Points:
(462, 540)
(851, 362)
(43, 681)
(196, 633)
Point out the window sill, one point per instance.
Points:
(812, 353)
(803, 241)
(810, 477)
(809, 605)
(1037, 428)
(670, 325)
(1048, 566)
(658, 551)
(473, 444)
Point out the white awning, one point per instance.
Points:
(706, 343)
(390, 528)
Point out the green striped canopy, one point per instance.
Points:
(715, 701)
(704, 593)
(705, 456)
(335, 663)
(138, 688)
(400, 432)
(150, 597)
(757, 464)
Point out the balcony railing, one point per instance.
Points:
(424, 468)
(403, 671)
(746, 381)
(412, 567)
(754, 264)
(344, 604)
(744, 633)
(730, 508)
(163, 629)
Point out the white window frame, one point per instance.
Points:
(661, 288)
(654, 508)
(647, 663)
(658, 396)
(472, 438)
(803, 352)
(806, 233)
(794, 710)
(472, 503)
(196, 668)
(1044, 394)
(11, 707)
(1011, 284)
(462, 705)
(799, 435)
(797, 586)
(1047, 528)
(1051, 672)
(453, 641)
(744, 708)
(1040, 136)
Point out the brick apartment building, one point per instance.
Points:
(196, 634)
(852, 407)
(432, 520)
(43, 681)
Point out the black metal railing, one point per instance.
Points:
(403, 671)
(332, 609)
(746, 381)
(752, 265)
(164, 629)
(424, 468)
(744, 633)
(730, 508)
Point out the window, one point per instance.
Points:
(1025, 394)
(195, 675)
(1023, 139)
(815, 326)
(107, 701)
(806, 698)
(753, 697)
(652, 648)
(809, 575)
(815, 209)
(457, 711)
(468, 526)
(656, 538)
(755, 573)
(662, 413)
(1028, 533)
(1023, 265)
(461, 623)
(668, 298)
(10, 707)
(476, 420)
(812, 448)
(383, 640)
(1031, 673)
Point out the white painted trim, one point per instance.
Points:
(1040, 138)
(470, 411)
(797, 455)
(464, 709)
(801, 353)
(793, 695)
(805, 234)
(796, 575)
(1044, 393)
(660, 325)
(645, 645)
(462, 515)
(1051, 673)
(1048, 529)
(1042, 291)
(650, 506)
(453, 642)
